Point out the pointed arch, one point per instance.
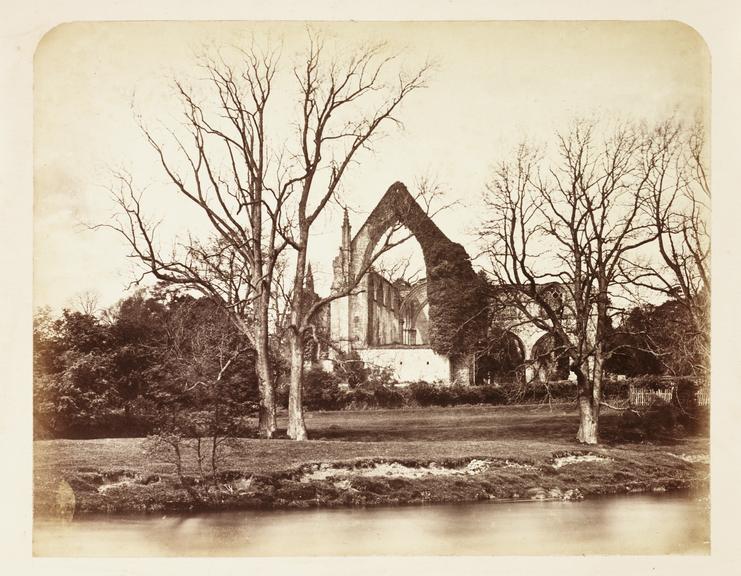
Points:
(454, 293)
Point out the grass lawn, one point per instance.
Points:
(518, 445)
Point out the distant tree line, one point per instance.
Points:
(657, 339)
(157, 363)
(151, 364)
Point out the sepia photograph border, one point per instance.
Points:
(717, 23)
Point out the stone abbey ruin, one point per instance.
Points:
(433, 330)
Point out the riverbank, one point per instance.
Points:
(391, 457)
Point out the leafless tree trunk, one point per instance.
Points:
(341, 113)
(220, 164)
(567, 230)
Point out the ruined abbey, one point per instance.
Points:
(415, 329)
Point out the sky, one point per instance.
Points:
(493, 84)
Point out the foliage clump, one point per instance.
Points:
(152, 364)
(457, 299)
(658, 340)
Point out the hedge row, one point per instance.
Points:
(325, 391)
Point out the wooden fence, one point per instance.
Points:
(703, 397)
(646, 397)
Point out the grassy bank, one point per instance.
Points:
(373, 458)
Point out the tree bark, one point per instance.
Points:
(590, 390)
(597, 374)
(588, 432)
(266, 384)
(266, 420)
(296, 424)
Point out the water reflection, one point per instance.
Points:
(646, 524)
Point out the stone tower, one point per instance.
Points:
(340, 308)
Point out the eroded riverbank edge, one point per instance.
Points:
(571, 474)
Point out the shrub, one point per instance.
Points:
(322, 390)
(655, 422)
(366, 397)
(677, 417)
(359, 399)
(378, 389)
(492, 394)
(376, 377)
(425, 394)
(352, 370)
(458, 395)
(616, 390)
(388, 397)
(538, 392)
(281, 393)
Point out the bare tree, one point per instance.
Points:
(87, 302)
(344, 105)
(223, 165)
(261, 197)
(558, 240)
(678, 190)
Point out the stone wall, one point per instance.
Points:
(383, 311)
(410, 364)
(382, 321)
(339, 324)
(461, 370)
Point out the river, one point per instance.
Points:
(635, 524)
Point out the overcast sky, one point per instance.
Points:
(493, 85)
